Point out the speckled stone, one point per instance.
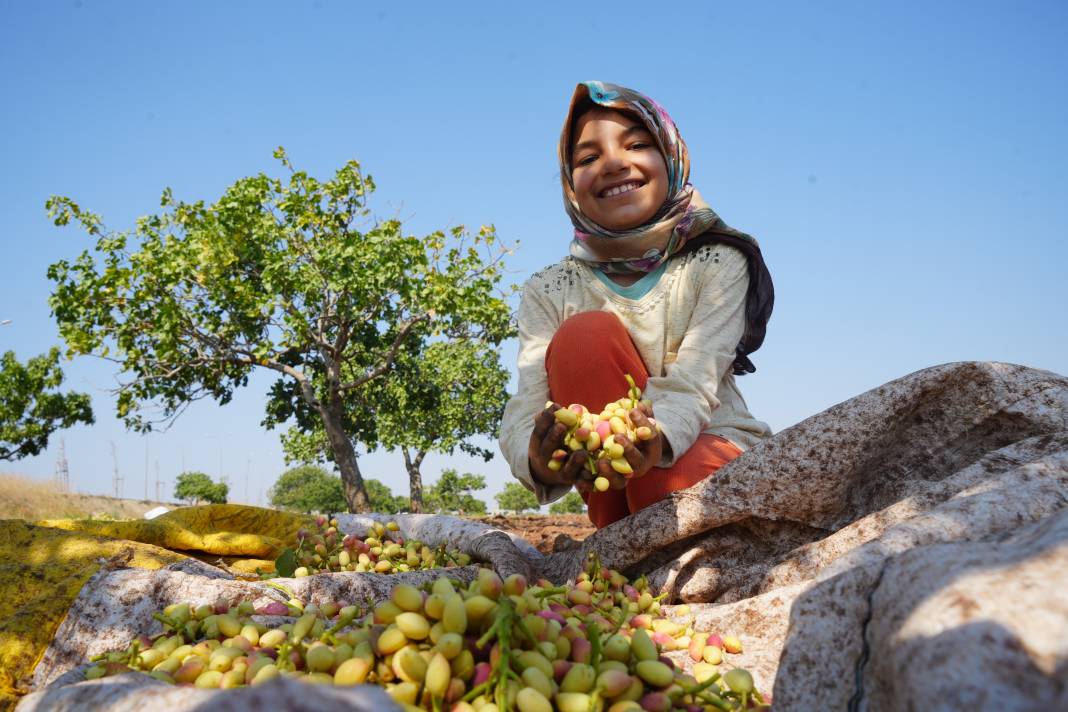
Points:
(973, 625)
(136, 692)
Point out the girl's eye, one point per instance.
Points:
(639, 144)
(586, 160)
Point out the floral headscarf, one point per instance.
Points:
(683, 215)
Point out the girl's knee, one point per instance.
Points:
(592, 325)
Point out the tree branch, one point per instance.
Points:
(389, 357)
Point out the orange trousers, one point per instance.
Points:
(585, 363)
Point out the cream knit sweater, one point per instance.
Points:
(686, 329)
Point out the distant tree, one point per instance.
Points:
(29, 412)
(452, 493)
(383, 500)
(196, 487)
(440, 397)
(292, 276)
(570, 504)
(516, 498)
(308, 488)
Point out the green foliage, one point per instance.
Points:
(570, 504)
(310, 488)
(291, 276)
(307, 489)
(29, 412)
(194, 487)
(383, 500)
(442, 394)
(453, 493)
(516, 498)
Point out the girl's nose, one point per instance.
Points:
(614, 160)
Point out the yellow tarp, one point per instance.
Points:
(227, 530)
(41, 572)
(44, 565)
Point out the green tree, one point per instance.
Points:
(442, 396)
(570, 504)
(383, 500)
(197, 487)
(29, 411)
(308, 488)
(516, 498)
(453, 493)
(294, 277)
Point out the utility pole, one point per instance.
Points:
(248, 466)
(146, 469)
(157, 481)
(116, 478)
(62, 471)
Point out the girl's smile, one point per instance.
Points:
(620, 178)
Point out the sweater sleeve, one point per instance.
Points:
(685, 396)
(538, 320)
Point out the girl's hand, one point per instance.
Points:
(547, 437)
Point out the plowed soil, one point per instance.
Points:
(546, 532)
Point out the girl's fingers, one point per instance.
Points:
(640, 416)
(542, 422)
(615, 480)
(584, 481)
(632, 454)
(552, 440)
(574, 466)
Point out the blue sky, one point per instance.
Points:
(905, 167)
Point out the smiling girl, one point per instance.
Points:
(657, 286)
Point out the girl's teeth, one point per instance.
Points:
(621, 189)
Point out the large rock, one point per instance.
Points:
(981, 625)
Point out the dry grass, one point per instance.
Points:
(25, 498)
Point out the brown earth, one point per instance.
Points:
(546, 532)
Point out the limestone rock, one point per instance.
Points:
(135, 692)
(973, 625)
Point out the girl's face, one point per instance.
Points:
(619, 175)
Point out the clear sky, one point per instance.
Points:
(904, 165)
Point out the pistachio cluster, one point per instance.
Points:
(600, 434)
(595, 645)
(383, 550)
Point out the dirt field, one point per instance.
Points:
(544, 531)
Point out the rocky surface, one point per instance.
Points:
(136, 692)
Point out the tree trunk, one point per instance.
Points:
(346, 460)
(415, 479)
(332, 410)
